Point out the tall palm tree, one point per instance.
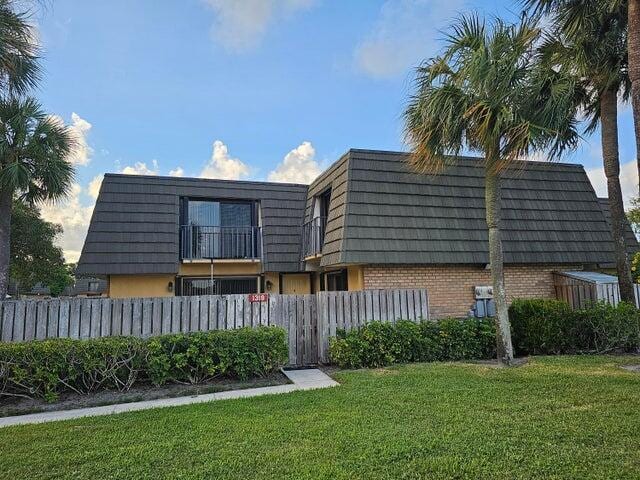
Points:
(577, 14)
(34, 149)
(487, 93)
(592, 44)
(19, 68)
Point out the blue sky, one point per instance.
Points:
(250, 89)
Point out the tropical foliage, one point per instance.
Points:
(34, 256)
(488, 93)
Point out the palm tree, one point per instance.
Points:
(487, 93)
(34, 149)
(596, 52)
(576, 16)
(19, 69)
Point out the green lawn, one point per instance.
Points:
(562, 417)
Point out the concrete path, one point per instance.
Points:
(307, 379)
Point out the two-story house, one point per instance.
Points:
(366, 222)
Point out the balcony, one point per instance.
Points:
(313, 237)
(220, 243)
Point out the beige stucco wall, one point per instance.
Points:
(125, 286)
(274, 278)
(298, 283)
(355, 278)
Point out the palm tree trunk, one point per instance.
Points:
(633, 47)
(609, 120)
(6, 198)
(493, 201)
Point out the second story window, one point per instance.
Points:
(219, 229)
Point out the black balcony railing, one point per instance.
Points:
(313, 236)
(211, 242)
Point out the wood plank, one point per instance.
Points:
(96, 317)
(389, 316)
(63, 318)
(264, 312)
(362, 309)
(222, 313)
(300, 323)
(75, 308)
(354, 299)
(340, 296)
(54, 315)
(127, 316)
(147, 320)
(85, 318)
(382, 303)
(346, 308)
(424, 305)
(105, 318)
(156, 316)
(323, 332)
(29, 332)
(42, 318)
(165, 323)
(203, 315)
(213, 313)
(239, 309)
(308, 340)
(136, 317)
(116, 317)
(397, 310)
(289, 319)
(369, 306)
(8, 319)
(332, 309)
(411, 308)
(375, 302)
(313, 319)
(194, 314)
(176, 314)
(20, 321)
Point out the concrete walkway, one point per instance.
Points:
(308, 379)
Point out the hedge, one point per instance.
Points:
(546, 327)
(378, 344)
(45, 369)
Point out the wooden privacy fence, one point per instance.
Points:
(308, 319)
(581, 294)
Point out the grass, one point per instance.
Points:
(556, 417)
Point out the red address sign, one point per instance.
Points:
(258, 297)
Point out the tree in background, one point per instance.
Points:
(576, 15)
(596, 53)
(34, 256)
(34, 150)
(19, 68)
(487, 93)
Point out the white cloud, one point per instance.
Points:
(79, 129)
(176, 172)
(93, 189)
(222, 165)
(628, 181)
(298, 166)
(240, 25)
(141, 168)
(74, 218)
(405, 33)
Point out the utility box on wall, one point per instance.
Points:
(484, 305)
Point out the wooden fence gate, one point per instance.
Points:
(308, 319)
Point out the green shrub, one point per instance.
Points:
(45, 369)
(202, 356)
(551, 327)
(378, 344)
(541, 326)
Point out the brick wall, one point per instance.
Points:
(450, 287)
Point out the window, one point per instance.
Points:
(220, 285)
(336, 281)
(93, 286)
(213, 229)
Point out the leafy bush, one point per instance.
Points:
(378, 344)
(45, 369)
(202, 356)
(551, 327)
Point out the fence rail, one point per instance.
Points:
(308, 319)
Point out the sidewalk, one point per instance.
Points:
(308, 379)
